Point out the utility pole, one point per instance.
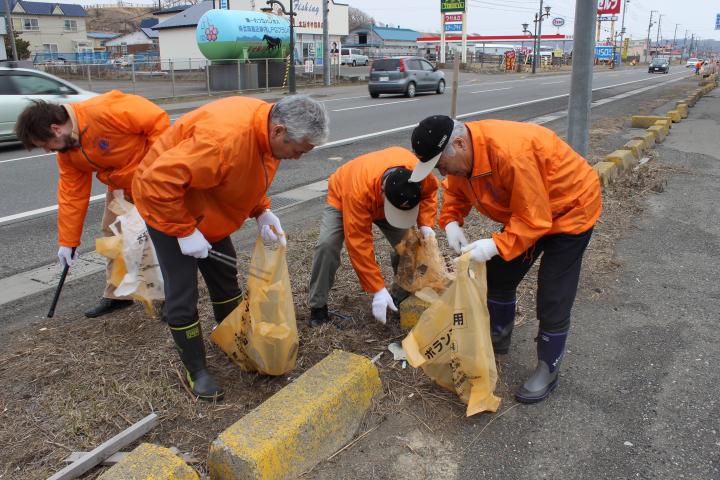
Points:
(675, 35)
(684, 44)
(326, 44)
(657, 38)
(11, 33)
(538, 37)
(622, 30)
(581, 80)
(647, 50)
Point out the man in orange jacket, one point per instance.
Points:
(107, 135)
(548, 199)
(372, 188)
(200, 181)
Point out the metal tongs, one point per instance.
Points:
(222, 258)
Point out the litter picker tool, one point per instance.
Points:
(60, 286)
(222, 258)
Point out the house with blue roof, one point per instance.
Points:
(377, 41)
(143, 41)
(52, 28)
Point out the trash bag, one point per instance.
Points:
(261, 333)
(136, 271)
(421, 264)
(451, 341)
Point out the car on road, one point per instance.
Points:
(353, 56)
(20, 86)
(407, 75)
(658, 64)
(691, 62)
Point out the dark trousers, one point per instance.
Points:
(180, 277)
(557, 279)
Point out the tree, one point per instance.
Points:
(358, 18)
(22, 46)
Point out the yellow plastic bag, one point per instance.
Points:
(421, 265)
(451, 341)
(261, 333)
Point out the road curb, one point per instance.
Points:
(150, 462)
(301, 425)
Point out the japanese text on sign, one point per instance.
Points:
(452, 5)
(608, 7)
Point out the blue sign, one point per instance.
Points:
(717, 22)
(453, 27)
(604, 52)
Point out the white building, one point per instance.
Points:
(3, 33)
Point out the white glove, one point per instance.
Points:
(381, 302)
(267, 220)
(66, 256)
(481, 250)
(194, 245)
(427, 232)
(455, 236)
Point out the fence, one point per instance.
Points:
(182, 77)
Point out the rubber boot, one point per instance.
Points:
(225, 308)
(189, 342)
(502, 322)
(550, 349)
(319, 316)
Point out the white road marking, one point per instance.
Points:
(493, 90)
(374, 105)
(38, 211)
(25, 158)
(552, 83)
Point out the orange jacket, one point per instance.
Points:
(525, 177)
(211, 170)
(115, 131)
(356, 190)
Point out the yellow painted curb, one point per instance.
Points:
(659, 131)
(607, 171)
(410, 310)
(682, 108)
(648, 139)
(150, 462)
(674, 116)
(665, 122)
(624, 159)
(301, 425)
(636, 147)
(644, 121)
(691, 101)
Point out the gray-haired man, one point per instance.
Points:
(203, 177)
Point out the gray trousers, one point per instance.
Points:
(327, 253)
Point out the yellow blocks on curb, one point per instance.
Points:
(623, 159)
(682, 109)
(644, 121)
(674, 116)
(150, 462)
(410, 310)
(301, 425)
(666, 123)
(607, 171)
(648, 140)
(636, 147)
(659, 132)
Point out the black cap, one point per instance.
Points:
(429, 139)
(402, 198)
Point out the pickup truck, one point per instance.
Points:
(353, 56)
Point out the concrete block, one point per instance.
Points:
(636, 147)
(659, 132)
(150, 462)
(682, 108)
(665, 122)
(607, 171)
(623, 159)
(301, 425)
(648, 139)
(410, 310)
(691, 101)
(674, 116)
(644, 121)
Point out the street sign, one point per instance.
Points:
(452, 5)
(608, 7)
(309, 66)
(453, 27)
(558, 22)
(608, 19)
(558, 52)
(717, 22)
(604, 52)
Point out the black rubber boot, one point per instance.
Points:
(550, 349)
(225, 308)
(502, 322)
(319, 316)
(189, 342)
(107, 305)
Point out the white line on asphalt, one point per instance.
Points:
(552, 83)
(344, 98)
(39, 211)
(492, 90)
(375, 105)
(25, 158)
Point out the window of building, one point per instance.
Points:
(362, 38)
(71, 26)
(50, 47)
(31, 24)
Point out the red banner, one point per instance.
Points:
(453, 18)
(609, 7)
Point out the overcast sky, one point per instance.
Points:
(504, 17)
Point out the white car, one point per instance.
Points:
(353, 56)
(691, 62)
(20, 86)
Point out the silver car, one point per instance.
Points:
(407, 75)
(19, 86)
